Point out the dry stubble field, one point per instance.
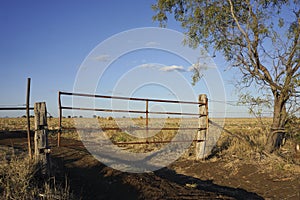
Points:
(237, 169)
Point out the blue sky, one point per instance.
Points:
(49, 41)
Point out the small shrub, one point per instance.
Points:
(109, 118)
(20, 178)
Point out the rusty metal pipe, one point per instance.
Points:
(128, 98)
(129, 111)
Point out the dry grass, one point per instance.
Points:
(244, 138)
(21, 178)
(242, 135)
(16, 124)
(244, 142)
(130, 130)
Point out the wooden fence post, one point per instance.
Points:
(201, 134)
(28, 118)
(41, 148)
(147, 120)
(59, 119)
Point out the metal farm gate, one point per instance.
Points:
(202, 115)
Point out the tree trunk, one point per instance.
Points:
(277, 132)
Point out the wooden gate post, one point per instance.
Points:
(203, 125)
(41, 148)
(28, 118)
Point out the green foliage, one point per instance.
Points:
(261, 38)
(213, 22)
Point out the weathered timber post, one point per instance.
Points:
(28, 118)
(203, 127)
(41, 148)
(147, 120)
(59, 119)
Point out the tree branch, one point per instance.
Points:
(294, 48)
(252, 50)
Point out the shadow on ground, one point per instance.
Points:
(89, 179)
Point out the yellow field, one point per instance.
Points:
(12, 124)
(240, 136)
(238, 154)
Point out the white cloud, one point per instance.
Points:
(149, 65)
(103, 58)
(178, 68)
(152, 44)
(173, 68)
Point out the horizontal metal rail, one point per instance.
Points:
(129, 143)
(129, 111)
(128, 98)
(146, 111)
(141, 142)
(157, 142)
(15, 108)
(130, 129)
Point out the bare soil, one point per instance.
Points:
(184, 179)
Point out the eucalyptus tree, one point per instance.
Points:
(260, 38)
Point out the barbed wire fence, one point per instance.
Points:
(236, 109)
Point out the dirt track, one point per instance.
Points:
(184, 179)
(93, 180)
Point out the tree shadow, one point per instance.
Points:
(94, 180)
(14, 134)
(97, 181)
(208, 185)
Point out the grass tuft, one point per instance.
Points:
(21, 178)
